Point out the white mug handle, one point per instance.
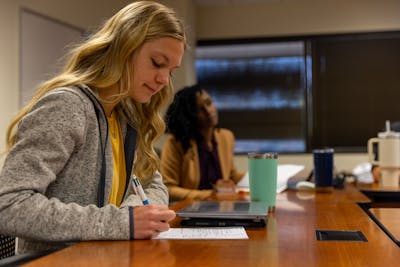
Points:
(371, 154)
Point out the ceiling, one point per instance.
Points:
(231, 2)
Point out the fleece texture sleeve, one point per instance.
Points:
(48, 183)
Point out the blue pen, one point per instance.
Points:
(139, 190)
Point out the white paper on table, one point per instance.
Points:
(285, 171)
(204, 233)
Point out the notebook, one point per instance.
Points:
(224, 213)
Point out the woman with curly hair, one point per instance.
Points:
(197, 156)
(74, 149)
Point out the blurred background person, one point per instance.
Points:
(197, 156)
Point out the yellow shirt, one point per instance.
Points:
(119, 172)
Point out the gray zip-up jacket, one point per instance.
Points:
(50, 178)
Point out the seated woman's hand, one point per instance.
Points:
(225, 186)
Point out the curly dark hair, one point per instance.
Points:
(181, 116)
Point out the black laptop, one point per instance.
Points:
(224, 213)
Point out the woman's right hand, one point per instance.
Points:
(150, 220)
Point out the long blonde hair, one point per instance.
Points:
(103, 60)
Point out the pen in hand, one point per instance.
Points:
(139, 190)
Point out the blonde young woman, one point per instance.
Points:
(67, 173)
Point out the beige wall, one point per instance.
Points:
(297, 17)
(83, 14)
(277, 18)
(343, 162)
(8, 65)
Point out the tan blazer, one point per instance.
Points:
(181, 171)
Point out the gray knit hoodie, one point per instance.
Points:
(49, 181)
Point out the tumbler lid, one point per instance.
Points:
(268, 155)
(388, 133)
(323, 150)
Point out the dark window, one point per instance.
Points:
(304, 92)
(259, 91)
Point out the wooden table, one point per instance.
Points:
(288, 240)
(388, 219)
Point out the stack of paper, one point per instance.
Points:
(204, 233)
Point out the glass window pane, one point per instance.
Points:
(260, 93)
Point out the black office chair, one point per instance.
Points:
(8, 257)
(7, 246)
